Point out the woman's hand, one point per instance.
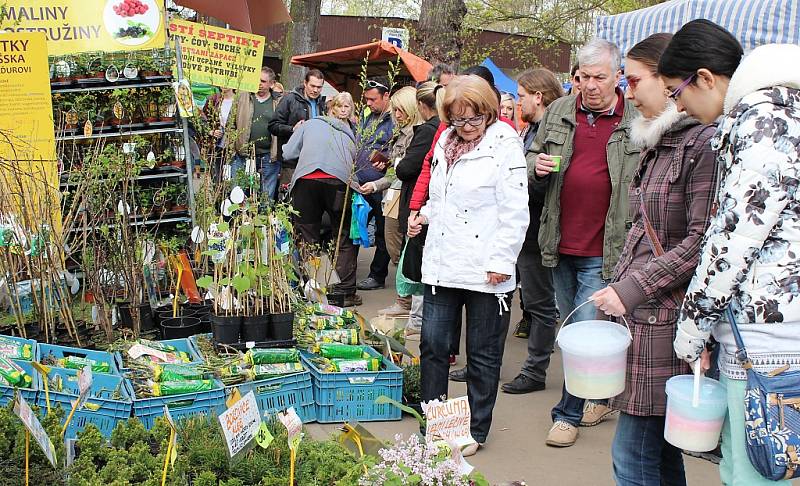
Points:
(608, 301)
(216, 133)
(496, 278)
(415, 223)
(368, 188)
(704, 361)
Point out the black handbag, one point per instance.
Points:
(412, 260)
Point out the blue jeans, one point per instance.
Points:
(269, 170)
(575, 279)
(486, 333)
(641, 456)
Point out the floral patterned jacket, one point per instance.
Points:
(751, 251)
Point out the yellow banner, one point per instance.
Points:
(221, 57)
(73, 26)
(27, 145)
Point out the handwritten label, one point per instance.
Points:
(448, 421)
(264, 437)
(24, 412)
(240, 423)
(294, 426)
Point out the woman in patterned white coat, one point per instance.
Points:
(751, 251)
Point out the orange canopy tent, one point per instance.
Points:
(342, 67)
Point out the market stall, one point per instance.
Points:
(343, 67)
(753, 22)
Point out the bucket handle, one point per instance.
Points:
(564, 321)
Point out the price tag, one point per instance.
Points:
(294, 426)
(85, 379)
(24, 412)
(264, 437)
(240, 423)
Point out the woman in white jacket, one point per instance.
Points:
(477, 216)
(751, 251)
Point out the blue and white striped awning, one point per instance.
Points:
(753, 22)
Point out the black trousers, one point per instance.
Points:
(314, 197)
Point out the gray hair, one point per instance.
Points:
(594, 50)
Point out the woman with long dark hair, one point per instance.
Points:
(751, 252)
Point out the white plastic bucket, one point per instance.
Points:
(691, 428)
(595, 356)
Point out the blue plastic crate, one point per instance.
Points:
(186, 404)
(109, 411)
(342, 397)
(60, 352)
(280, 393)
(182, 344)
(7, 392)
(33, 343)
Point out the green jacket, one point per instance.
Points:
(554, 137)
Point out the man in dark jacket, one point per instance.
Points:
(375, 135)
(295, 107)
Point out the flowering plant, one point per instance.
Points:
(415, 462)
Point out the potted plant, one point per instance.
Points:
(166, 103)
(148, 66)
(177, 194)
(160, 200)
(149, 105)
(412, 387)
(283, 298)
(144, 201)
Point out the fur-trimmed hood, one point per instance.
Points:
(647, 132)
(766, 66)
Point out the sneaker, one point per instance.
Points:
(523, 329)
(522, 384)
(562, 434)
(370, 283)
(594, 413)
(459, 375)
(452, 360)
(394, 310)
(352, 300)
(470, 449)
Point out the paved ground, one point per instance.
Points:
(515, 449)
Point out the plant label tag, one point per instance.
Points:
(24, 412)
(449, 421)
(85, 379)
(128, 148)
(294, 426)
(240, 423)
(250, 166)
(264, 437)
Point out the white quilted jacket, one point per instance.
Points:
(477, 213)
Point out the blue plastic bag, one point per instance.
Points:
(359, 221)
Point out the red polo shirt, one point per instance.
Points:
(586, 193)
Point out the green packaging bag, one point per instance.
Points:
(168, 388)
(78, 363)
(272, 356)
(341, 351)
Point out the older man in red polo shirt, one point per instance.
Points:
(585, 215)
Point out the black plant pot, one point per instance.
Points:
(336, 299)
(282, 326)
(226, 329)
(146, 322)
(255, 328)
(180, 327)
(198, 310)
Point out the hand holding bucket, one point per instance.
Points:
(595, 356)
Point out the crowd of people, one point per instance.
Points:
(666, 203)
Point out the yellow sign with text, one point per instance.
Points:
(73, 26)
(28, 164)
(220, 57)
